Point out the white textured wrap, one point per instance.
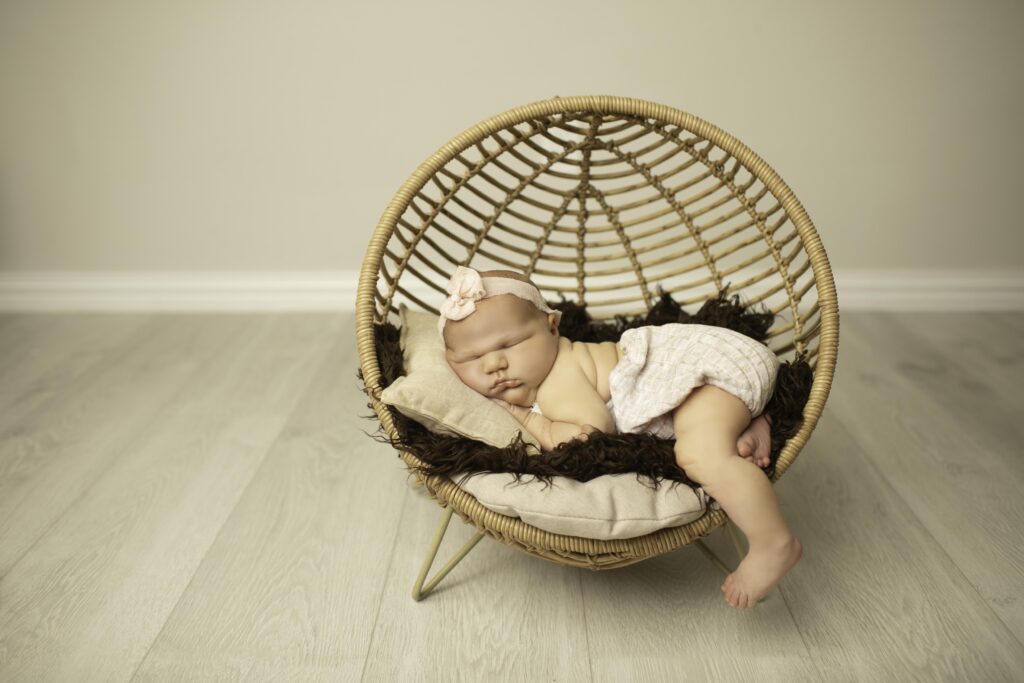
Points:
(662, 364)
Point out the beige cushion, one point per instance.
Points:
(432, 394)
(608, 507)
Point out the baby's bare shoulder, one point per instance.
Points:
(596, 360)
(569, 395)
(566, 376)
(584, 359)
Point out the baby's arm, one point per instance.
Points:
(573, 408)
(560, 432)
(579, 404)
(549, 433)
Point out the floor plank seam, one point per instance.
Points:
(128, 449)
(807, 648)
(952, 361)
(924, 528)
(85, 492)
(213, 542)
(227, 519)
(586, 628)
(384, 584)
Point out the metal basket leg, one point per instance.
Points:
(731, 528)
(717, 561)
(419, 591)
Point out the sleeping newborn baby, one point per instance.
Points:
(704, 386)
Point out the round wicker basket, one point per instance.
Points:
(600, 199)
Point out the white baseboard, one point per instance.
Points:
(247, 291)
(996, 289)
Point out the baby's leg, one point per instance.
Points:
(706, 425)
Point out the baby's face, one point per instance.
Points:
(505, 338)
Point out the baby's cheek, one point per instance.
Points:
(468, 378)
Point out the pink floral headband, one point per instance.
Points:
(466, 287)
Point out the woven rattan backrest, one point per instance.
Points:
(601, 199)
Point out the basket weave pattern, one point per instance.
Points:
(600, 200)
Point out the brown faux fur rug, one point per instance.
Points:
(599, 453)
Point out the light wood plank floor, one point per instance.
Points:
(195, 497)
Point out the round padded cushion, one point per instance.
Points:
(607, 507)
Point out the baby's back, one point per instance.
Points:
(596, 360)
(577, 388)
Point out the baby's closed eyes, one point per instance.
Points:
(506, 345)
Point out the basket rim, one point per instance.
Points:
(573, 550)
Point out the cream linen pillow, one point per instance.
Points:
(611, 506)
(432, 394)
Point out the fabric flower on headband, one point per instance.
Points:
(464, 289)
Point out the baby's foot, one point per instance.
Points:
(755, 444)
(759, 572)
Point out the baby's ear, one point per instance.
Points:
(553, 320)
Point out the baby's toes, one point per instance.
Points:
(745, 447)
(762, 453)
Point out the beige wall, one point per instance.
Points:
(270, 135)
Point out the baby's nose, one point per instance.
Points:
(496, 362)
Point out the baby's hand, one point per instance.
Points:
(521, 413)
